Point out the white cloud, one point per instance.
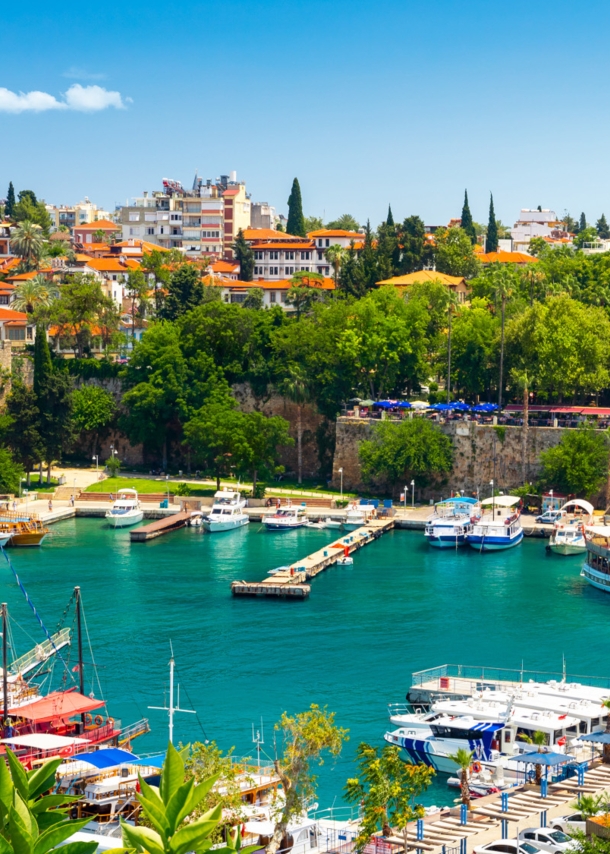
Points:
(84, 99)
(77, 73)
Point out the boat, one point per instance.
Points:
(196, 519)
(318, 526)
(126, 510)
(227, 512)
(21, 530)
(286, 518)
(278, 569)
(568, 537)
(498, 528)
(334, 523)
(357, 515)
(596, 569)
(450, 522)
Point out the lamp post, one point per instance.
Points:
(412, 495)
(493, 504)
(341, 473)
(551, 494)
(404, 496)
(167, 484)
(97, 461)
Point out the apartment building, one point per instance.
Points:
(279, 256)
(83, 213)
(262, 215)
(87, 234)
(536, 223)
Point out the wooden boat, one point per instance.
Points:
(21, 529)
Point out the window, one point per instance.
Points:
(305, 256)
(283, 296)
(271, 296)
(274, 256)
(274, 271)
(258, 256)
(4, 300)
(320, 242)
(16, 333)
(327, 242)
(175, 216)
(150, 231)
(29, 332)
(320, 256)
(134, 217)
(238, 298)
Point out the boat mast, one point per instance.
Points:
(171, 709)
(81, 674)
(4, 667)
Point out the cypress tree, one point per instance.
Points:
(43, 367)
(296, 220)
(369, 260)
(390, 219)
(10, 200)
(491, 245)
(244, 254)
(467, 223)
(603, 230)
(582, 223)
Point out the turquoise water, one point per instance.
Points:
(352, 645)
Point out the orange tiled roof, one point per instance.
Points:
(25, 277)
(422, 276)
(268, 234)
(224, 267)
(279, 285)
(106, 265)
(9, 314)
(100, 225)
(506, 258)
(335, 232)
(7, 265)
(303, 246)
(96, 247)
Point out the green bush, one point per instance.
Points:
(183, 489)
(113, 465)
(259, 491)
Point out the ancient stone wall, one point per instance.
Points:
(481, 453)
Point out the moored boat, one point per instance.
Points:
(357, 515)
(18, 529)
(450, 523)
(126, 510)
(499, 527)
(568, 537)
(227, 512)
(596, 569)
(286, 518)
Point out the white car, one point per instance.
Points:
(547, 839)
(569, 823)
(507, 846)
(549, 517)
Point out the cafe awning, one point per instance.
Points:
(549, 759)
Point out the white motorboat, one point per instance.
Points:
(357, 515)
(568, 537)
(451, 522)
(286, 518)
(196, 520)
(227, 512)
(319, 526)
(334, 523)
(346, 560)
(499, 527)
(126, 510)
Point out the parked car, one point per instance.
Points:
(507, 846)
(549, 517)
(547, 839)
(569, 823)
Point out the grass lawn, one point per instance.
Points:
(34, 487)
(144, 486)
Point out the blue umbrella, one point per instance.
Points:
(460, 406)
(404, 404)
(485, 407)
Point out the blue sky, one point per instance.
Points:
(367, 103)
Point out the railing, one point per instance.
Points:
(140, 727)
(41, 652)
(486, 675)
(342, 813)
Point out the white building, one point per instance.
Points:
(536, 223)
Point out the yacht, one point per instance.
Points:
(126, 510)
(450, 522)
(597, 566)
(357, 515)
(286, 518)
(568, 537)
(499, 526)
(227, 512)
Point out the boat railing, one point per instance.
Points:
(140, 727)
(41, 652)
(491, 677)
(342, 813)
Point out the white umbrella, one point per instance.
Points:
(419, 404)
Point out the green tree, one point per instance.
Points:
(11, 473)
(34, 294)
(411, 449)
(265, 437)
(27, 241)
(306, 737)
(368, 270)
(313, 223)
(570, 224)
(411, 238)
(350, 278)
(82, 313)
(491, 243)
(474, 341)
(305, 290)
(244, 256)
(184, 292)
(94, 409)
(56, 422)
(216, 435)
(9, 207)
(137, 289)
(170, 810)
(254, 299)
(537, 246)
(387, 252)
(346, 222)
(582, 223)
(296, 220)
(385, 789)
(43, 367)
(602, 228)
(585, 235)
(452, 307)
(390, 218)
(503, 282)
(154, 264)
(454, 253)
(463, 760)
(29, 208)
(22, 431)
(296, 387)
(578, 464)
(335, 255)
(467, 224)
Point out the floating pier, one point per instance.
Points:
(160, 527)
(291, 583)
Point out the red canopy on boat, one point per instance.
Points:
(58, 704)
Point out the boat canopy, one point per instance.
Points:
(43, 741)
(598, 530)
(107, 757)
(579, 502)
(59, 704)
(128, 492)
(502, 500)
(458, 500)
(549, 759)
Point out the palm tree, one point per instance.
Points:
(463, 759)
(335, 255)
(33, 293)
(539, 738)
(522, 381)
(27, 241)
(296, 388)
(588, 805)
(452, 304)
(503, 281)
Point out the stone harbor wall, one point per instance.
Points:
(481, 453)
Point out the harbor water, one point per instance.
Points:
(352, 646)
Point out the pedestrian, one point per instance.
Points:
(72, 500)
(50, 505)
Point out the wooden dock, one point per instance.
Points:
(160, 527)
(291, 583)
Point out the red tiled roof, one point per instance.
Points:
(502, 257)
(106, 265)
(9, 314)
(268, 234)
(303, 246)
(335, 232)
(224, 267)
(100, 225)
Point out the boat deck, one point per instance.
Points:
(292, 582)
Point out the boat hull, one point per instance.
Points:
(493, 544)
(27, 539)
(277, 526)
(567, 549)
(219, 527)
(125, 520)
(601, 580)
(446, 541)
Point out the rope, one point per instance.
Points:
(94, 665)
(32, 606)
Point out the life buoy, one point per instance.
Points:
(88, 719)
(561, 741)
(476, 767)
(98, 720)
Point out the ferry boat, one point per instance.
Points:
(126, 510)
(597, 566)
(286, 518)
(499, 528)
(227, 512)
(450, 522)
(568, 537)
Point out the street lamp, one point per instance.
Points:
(341, 473)
(404, 496)
(97, 461)
(493, 504)
(167, 484)
(551, 507)
(413, 495)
